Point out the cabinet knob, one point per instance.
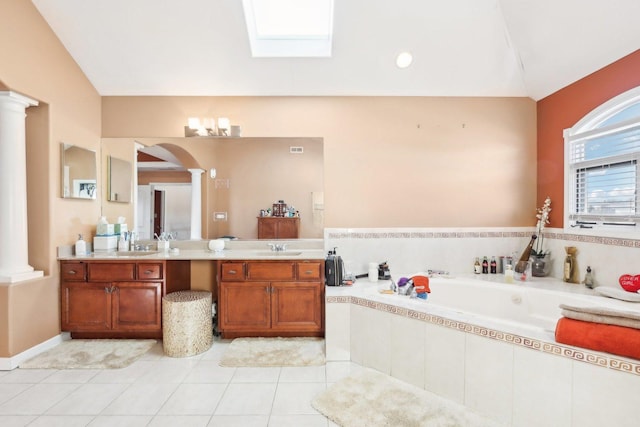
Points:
(232, 272)
(148, 271)
(107, 290)
(72, 272)
(308, 272)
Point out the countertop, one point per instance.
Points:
(296, 249)
(203, 254)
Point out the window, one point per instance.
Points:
(289, 28)
(602, 168)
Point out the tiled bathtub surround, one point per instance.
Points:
(454, 249)
(511, 377)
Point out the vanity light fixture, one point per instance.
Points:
(404, 59)
(213, 173)
(195, 127)
(223, 126)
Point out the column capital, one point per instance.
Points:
(16, 97)
(196, 171)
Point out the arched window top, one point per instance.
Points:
(630, 112)
(620, 109)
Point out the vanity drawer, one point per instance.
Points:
(149, 271)
(232, 271)
(270, 271)
(73, 271)
(311, 270)
(111, 271)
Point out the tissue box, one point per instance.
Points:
(105, 243)
(119, 228)
(105, 230)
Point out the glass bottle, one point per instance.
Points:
(477, 268)
(493, 265)
(485, 266)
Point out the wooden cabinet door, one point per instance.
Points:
(137, 306)
(267, 228)
(297, 306)
(288, 228)
(244, 306)
(85, 306)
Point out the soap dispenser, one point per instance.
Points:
(81, 246)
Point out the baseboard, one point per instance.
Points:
(9, 363)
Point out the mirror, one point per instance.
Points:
(78, 172)
(250, 175)
(118, 180)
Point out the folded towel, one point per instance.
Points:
(616, 293)
(610, 316)
(598, 318)
(597, 336)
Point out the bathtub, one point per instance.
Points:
(475, 334)
(530, 308)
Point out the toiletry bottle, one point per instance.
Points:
(508, 274)
(493, 265)
(569, 264)
(81, 246)
(477, 268)
(485, 266)
(588, 278)
(123, 244)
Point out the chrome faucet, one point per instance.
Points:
(278, 247)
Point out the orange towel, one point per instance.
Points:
(612, 339)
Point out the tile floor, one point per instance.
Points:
(161, 391)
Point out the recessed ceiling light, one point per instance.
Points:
(404, 59)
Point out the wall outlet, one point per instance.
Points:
(219, 216)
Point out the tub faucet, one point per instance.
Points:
(433, 273)
(278, 247)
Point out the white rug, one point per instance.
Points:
(90, 354)
(274, 352)
(369, 398)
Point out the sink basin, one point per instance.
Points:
(278, 253)
(135, 253)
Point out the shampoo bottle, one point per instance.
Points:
(81, 246)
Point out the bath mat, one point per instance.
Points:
(274, 352)
(369, 398)
(90, 354)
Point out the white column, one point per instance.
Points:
(196, 203)
(14, 250)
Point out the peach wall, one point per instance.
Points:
(565, 108)
(389, 161)
(36, 64)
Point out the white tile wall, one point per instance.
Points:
(410, 250)
(407, 344)
(444, 362)
(546, 380)
(489, 377)
(604, 397)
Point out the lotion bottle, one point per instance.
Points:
(81, 246)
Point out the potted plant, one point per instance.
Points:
(541, 263)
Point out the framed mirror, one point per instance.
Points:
(79, 172)
(119, 180)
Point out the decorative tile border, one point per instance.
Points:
(578, 354)
(373, 235)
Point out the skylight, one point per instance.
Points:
(289, 28)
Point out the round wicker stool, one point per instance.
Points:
(187, 328)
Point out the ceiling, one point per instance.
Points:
(460, 47)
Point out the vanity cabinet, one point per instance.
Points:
(273, 227)
(112, 299)
(271, 298)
